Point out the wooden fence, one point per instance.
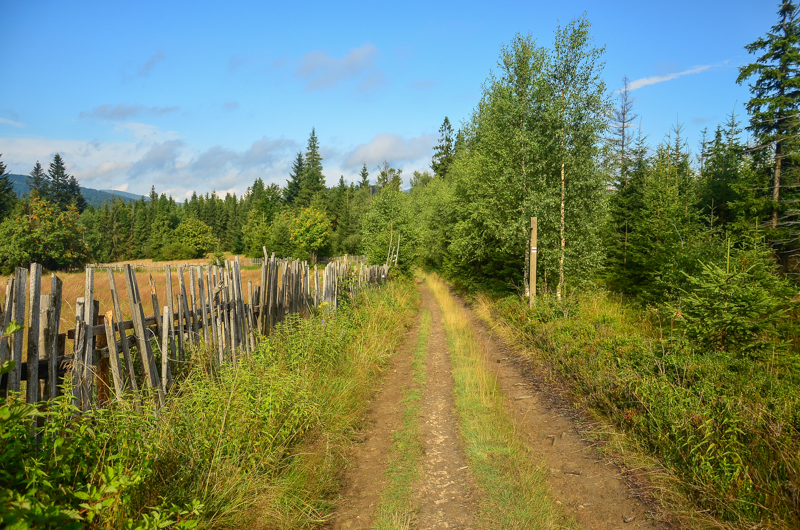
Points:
(213, 309)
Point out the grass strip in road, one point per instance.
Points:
(515, 493)
(397, 508)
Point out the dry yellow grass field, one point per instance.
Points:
(74, 284)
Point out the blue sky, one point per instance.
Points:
(208, 96)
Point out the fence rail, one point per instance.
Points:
(213, 308)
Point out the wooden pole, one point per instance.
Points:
(534, 252)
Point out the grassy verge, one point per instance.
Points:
(261, 446)
(724, 428)
(514, 487)
(397, 508)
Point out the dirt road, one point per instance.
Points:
(586, 491)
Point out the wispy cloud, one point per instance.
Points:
(123, 111)
(150, 64)
(12, 123)
(391, 147)
(230, 105)
(645, 81)
(320, 70)
(423, 84)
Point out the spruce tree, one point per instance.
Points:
(7, 196)
(293, 185)
(59, 190)
(75, 196)
(38, 181)
(313, 180)
(775, 102)
(364, 182)
(623, 121)
(444, 151)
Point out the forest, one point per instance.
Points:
(691, 251)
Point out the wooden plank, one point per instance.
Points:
(186, 318)
(154, 300)
(113, 355)
(171, 327)
(164, 356)
(211, 309)
(77, 361)
(34, 299)
(262, 296)
(52, 354)
(7, 310)
(89, 317)
(203, 309)
(20, 284)
(126, 352)
(146, 353)
(193, 306)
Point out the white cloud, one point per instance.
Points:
(154, 157)
(123, 111)
(393, 148)
(639, 83)
(12, 123)
(320, 70)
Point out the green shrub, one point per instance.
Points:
(727, 425)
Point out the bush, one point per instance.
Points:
(195, 235)
(39, 232)
(727, 426)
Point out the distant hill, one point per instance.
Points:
(92, 196)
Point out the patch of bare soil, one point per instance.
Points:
(364, 481)
(445, 487)
(596, 492)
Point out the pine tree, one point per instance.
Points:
(58, 190)
(623, 121)
(7, 196)
(364, 182)
(444, 151)
(313, 180)
(38, 181)
(293, 185)
(776, 100)
(723, 160)
(75, 196)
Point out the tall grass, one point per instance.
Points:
(514, 485)
(261, 446)
(727, 427)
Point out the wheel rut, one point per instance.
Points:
(445, 491)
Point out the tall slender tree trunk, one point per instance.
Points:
(560, 288)
(776, 186)
(526, 276)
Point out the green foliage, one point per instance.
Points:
(389, 219)
(737, 308)
(725, 427)
(444, 151)
(310, 230)
(195, 235)
(261, 443)
(542, 109)
(38, 232)
(389, 178)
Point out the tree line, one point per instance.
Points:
(546, 139)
